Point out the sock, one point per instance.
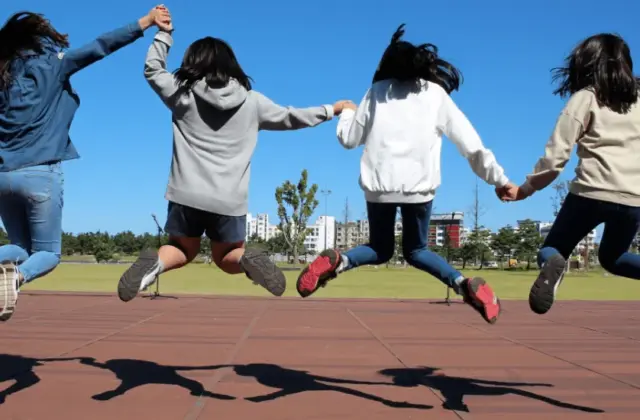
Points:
(160, 266)
(344, 263)
(457, 284)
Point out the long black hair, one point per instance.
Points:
(405, 61)
(213, 60)
(26, 32)
(602, 63)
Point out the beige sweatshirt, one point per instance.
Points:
(608, 148)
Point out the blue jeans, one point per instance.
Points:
(415, 231)
(31, 212)
(578, 216)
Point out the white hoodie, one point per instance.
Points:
(401, 127)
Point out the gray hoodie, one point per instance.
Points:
(215, 133)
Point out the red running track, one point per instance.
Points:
(243, 358)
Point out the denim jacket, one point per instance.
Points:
(37, 108)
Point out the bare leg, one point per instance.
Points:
(179, 252)
(227, 256)
(232, 258)
(150, 264)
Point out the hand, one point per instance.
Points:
(163, 21)
(508, 192)
(340, 106)
(155, 15)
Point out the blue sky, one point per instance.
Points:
(308, 53)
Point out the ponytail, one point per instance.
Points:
(407, 62)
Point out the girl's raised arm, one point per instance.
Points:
(77, 59)
(155, 68)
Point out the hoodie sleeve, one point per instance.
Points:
(455, 125)
(352, 124)
(155, 68)
(274, 117)
(570, 126)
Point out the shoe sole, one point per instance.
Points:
(8, 292)
(483, 295)
(261, 270)
(129, 284)
(543, 290)
(320, 269)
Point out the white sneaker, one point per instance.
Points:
(9, 288)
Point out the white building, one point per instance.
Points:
(357, 233)
(588, 241)
(322, 235)
(259, 226)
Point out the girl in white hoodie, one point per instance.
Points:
(400, 122)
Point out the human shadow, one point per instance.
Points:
(20, 370)
(291, 382)
(454, 389)
(136, 373)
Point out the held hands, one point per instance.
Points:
(511, 192)
(158, 16)
(163, 21)
(340, 106)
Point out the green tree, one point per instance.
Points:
(529, 241)
(277, 244)
(477, 245)
(126, 243)
(296, 204)
(69, 243)
(4, 238)
(205, 248)
(468, 252)
(504, 243)
(440, 250)
(104, 252)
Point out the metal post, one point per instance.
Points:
(157, 294)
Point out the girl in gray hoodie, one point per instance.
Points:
(216, 118)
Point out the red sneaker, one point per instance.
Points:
(478, 294)
(319, 272)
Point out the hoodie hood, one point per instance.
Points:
(228, 97)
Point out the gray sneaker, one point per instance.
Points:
(142, 274)
(262, 271)
(9, 288)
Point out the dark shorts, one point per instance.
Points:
(188, 222)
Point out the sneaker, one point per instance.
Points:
(262, 271)
(9, 288)
(319, 272)
(543, 291)
(142, 274)
(478, 294)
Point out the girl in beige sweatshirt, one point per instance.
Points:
(602, 117)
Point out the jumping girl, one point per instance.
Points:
(37, 106)
(601, 117)
(400, 122)
(216, 118)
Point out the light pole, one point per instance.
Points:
(326, 194)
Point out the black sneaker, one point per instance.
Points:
(142, 274)
(543, 291)
(262, 271)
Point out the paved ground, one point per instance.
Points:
(93, 357)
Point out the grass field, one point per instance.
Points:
(366, 282)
